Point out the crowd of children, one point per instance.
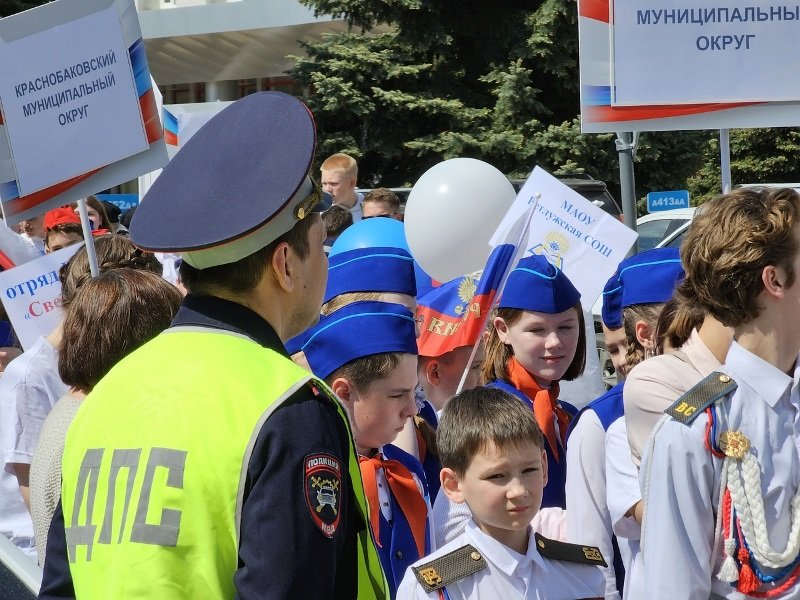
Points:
(500, 460)
(444, 459)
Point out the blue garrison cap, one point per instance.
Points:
(357, 330)
(371, 270)
(536, 285)
(650, 276)
(237, 185)
(612, 303)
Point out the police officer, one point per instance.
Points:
(207, 464)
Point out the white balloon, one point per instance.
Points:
(452, 212)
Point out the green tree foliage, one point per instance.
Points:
(757, 156)
(415, 82)
(12, 7)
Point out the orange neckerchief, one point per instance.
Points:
(405, 491)
(545, 404)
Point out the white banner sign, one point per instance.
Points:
(668, 52)
(79, 110)
(69, 101)
(31, 295)
(572, 233)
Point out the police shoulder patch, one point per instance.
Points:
(576, 553)
(449, 568)
(710, 390)
(322, 480)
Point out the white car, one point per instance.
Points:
(657, 229)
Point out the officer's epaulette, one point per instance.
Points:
(577, 553)
(451, 567)
(711, 389)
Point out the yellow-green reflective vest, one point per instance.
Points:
(153, 473)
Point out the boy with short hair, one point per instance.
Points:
(367, 353)
(493, 459)
(339, 173)
(381, 202)
(720, 477)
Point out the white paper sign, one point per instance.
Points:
(572, 233)
(669, 52)
(31, 295)
(69, 100)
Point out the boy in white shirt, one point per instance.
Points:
(493, 460)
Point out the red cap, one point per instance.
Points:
(60, 216)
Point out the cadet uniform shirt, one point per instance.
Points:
(681, 481)
(509, 575)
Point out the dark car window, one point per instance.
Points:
(677, 240)
(652, 232)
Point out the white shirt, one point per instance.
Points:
(680, 480)
(622, 480)
(450, 518)
(509, 575)
(357, 210)
(29, 388)
(588, 518)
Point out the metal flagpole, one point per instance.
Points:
(88, 237)
(725, 159)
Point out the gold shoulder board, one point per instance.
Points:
(576, 553)
(449, 568)
(710, 390)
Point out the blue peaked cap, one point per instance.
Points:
(237, 185)
(650, 277)
(537, 285)
(357, 330)
(612, 303)
(371, 270)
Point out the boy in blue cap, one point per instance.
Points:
(367, 353)
(641, 286)
(494, 461)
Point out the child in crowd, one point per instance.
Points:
(449, 329)
(374, 274)
(602, 483)
(336, 219)
(367, 353)
(381, 202)
(494, 460)
(721, 475)
(378, 273)
(536, 338)
(62, 228)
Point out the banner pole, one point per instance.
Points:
(725, 159)
(88, 237)
(626, 146)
